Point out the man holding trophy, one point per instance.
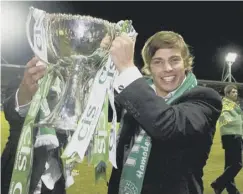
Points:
(168, 123)
(168, 128)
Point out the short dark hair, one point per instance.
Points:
(229, 88)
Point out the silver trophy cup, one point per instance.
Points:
(70, 44)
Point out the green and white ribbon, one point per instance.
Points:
(99, 152)
(24, 156)
(89, 119)
(20, 180)
(46, 136)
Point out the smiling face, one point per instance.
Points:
(166, 58)
(167, 69)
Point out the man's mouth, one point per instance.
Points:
(168, 79)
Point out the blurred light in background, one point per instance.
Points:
(230, 58)
(12, 19)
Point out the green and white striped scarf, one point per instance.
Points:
(135, 166)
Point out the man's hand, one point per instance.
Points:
(35, 70)
(121, 51)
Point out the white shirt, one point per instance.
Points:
(126, 77)
(23, 109)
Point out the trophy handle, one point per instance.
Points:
(126, 26)
(38, 45)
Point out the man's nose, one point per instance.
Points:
(167, 67)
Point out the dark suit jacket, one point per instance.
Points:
(8, 156)
(182, 135)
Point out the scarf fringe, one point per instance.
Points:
(48, 140)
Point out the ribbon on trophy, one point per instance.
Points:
(96, 108)
(20, 180)
(90, 127)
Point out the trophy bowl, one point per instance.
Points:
(72, 43)
(61, 36)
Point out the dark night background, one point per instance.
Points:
(211, 28)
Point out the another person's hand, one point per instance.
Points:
(35, 70)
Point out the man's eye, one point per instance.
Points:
(156, 62)
(175, 60)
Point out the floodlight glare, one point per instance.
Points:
(12, 28)
(230, 58)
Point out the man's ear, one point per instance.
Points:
(187, 70)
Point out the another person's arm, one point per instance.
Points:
(11, 115)
(18, 96)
